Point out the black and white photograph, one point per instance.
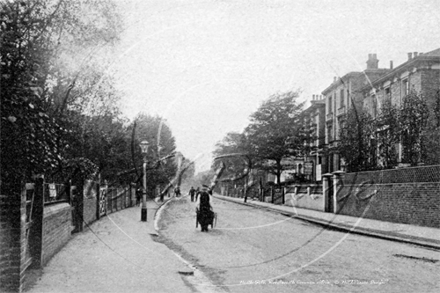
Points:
(219, 146)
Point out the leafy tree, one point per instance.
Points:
(430, 137)
(204, 178)
(413, 119)
(388, 135)
(232, 143)
(189, 173)
(275, 132)
(46, 48)
(155, 130)
(27, 132)
(355, 143)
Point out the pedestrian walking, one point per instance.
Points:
(138, 196)
(76, 215)
(177, 191)
(204, 210)
(192, 192)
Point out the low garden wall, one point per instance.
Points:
(305, 196)
(37, 223)
(407, 195)
(57, 228)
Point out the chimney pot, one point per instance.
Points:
(372, 62)
(409, 56)
(391, 64)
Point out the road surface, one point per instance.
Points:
(254, 250)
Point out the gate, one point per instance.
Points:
(102, 201)
(278, 195)
(32, 195)
(330, 196)
(29, 194)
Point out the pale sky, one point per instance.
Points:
(205, 66)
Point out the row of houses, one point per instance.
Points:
(366, 91)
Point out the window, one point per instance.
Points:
(342, 98)
(329, 134)
(330, 105)
(388, 94)
(374, 106)
(405, 87)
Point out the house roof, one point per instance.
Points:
(435, 52)
(339, 81)
(315, 104)
(430, 56)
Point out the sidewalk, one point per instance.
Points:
(424, 236)
(115, 254)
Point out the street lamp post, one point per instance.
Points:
(144, 147)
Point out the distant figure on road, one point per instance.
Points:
(205, 214)
(177, 191)
(138, 196)
(192, 192)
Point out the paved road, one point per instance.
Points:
(254, 250)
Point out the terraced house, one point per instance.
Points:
(420, 76)
(314, 124)
(340, 96)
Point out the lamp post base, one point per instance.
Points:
(144, 214)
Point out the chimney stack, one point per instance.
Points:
(416, 54)
(409, 56)
(372, 62)
(391, 64)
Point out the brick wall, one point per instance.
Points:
(57, 227)
(408, 196)
(12, 243)
(312, 199)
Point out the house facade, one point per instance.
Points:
(343, 94)
(314, 125)
(420, 75)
